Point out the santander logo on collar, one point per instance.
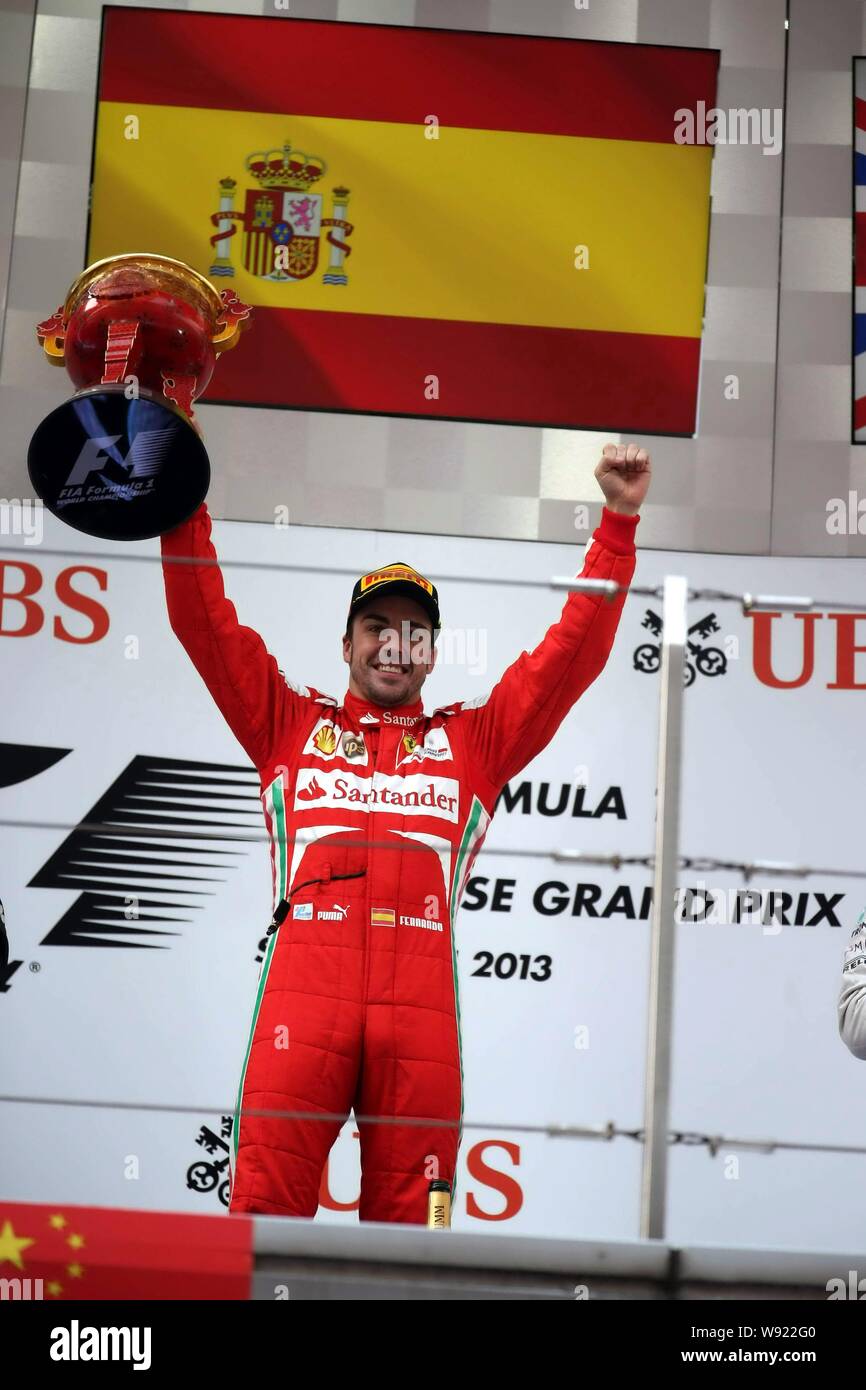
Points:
(405, 721)
(403, 716)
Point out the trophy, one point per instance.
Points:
(139, 335)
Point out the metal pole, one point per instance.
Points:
(661, 982)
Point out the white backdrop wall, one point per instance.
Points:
(92, 1013)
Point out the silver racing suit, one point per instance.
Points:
(852, 995)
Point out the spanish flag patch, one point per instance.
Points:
(382, 917)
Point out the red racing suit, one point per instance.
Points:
(375, 817)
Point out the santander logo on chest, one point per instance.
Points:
(415, 794)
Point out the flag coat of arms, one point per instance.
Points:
(274, 219)
(429, 222)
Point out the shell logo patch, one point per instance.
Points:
(325, 740)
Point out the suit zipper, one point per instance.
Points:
(380, 749)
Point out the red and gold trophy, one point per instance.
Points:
(139, 335)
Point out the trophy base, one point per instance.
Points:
(119, 469)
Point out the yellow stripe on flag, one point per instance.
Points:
(477, 226)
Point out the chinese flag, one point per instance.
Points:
(100, 1253)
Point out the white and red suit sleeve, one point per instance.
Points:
(248, 687)
(524, 710)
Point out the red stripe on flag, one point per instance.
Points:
(860, 413)
(614, 91)
(860, 110)
(377, 364)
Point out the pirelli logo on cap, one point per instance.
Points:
(370, 581)
(383, 917)
(397, 577)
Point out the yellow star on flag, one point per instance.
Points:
(12, 1245)
(55, 1290)
(57, 1222)
(74, 1271)
(77, 1242)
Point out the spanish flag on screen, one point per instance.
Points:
(428, 222)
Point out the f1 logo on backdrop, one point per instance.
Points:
(19, 763)
(143, 850)
(142, 853)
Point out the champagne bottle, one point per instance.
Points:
(439, 1205)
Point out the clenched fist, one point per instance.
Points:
(623, 475)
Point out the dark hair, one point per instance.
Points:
(359, 613)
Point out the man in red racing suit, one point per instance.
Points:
(375, 812)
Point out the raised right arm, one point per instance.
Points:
(250, 690)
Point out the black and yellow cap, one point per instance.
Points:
(397, 578)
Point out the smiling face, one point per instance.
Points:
(389, 651)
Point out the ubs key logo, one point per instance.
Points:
(709, 661)
(206, 1174)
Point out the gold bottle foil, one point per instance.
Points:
(439, 1206)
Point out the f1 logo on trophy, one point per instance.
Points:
(139, 335)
